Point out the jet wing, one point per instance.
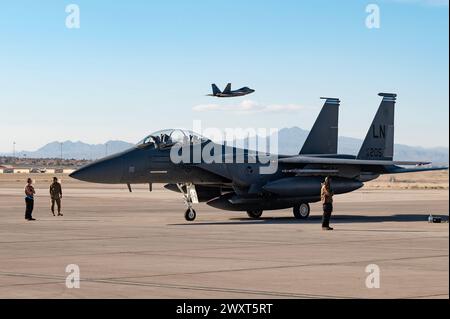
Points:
(398, 170)
(345, 161)
(312, 172)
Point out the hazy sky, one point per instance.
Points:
(139, 66)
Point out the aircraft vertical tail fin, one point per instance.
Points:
(323, 137)
(215, 89)
(379, 141)
(227, 88)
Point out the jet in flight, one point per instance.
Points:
(228, 92)
(240, 186)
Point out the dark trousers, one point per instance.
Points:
(58, 204)
(327, 210)
(29, 207)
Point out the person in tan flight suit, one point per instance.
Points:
(56, 195)
(326, 196)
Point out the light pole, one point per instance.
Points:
(14, 152)
(61, 144)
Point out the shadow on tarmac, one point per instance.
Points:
(335, 219)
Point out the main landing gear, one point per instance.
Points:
(190, 197)
(301, 211)
(255, 214)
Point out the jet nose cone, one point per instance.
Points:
(108, 171)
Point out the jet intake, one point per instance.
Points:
(204, 193)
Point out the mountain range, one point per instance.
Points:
(290, 142)
(75, 150)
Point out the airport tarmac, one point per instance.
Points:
(138, 245)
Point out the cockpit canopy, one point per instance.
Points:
(171, 137)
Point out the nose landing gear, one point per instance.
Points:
(190, 197)
(190, 214)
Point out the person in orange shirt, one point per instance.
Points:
(29, 199)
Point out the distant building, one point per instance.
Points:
(21, 171)
(4, 169)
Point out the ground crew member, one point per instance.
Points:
(56, 195)
(326, 195)
(29, 199)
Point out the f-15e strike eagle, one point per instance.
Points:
(233, 186)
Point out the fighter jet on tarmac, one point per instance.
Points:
(228, 92)
(242, 186)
